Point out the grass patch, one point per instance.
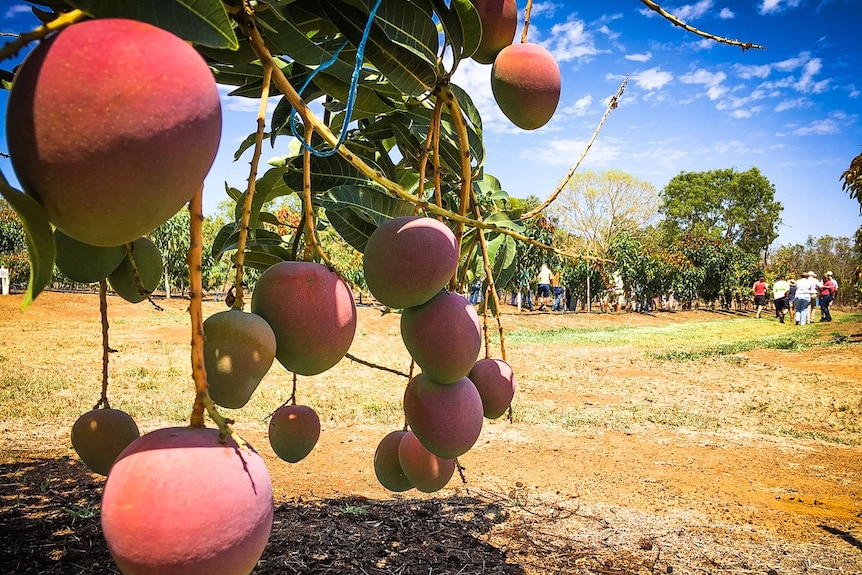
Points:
(790, 342)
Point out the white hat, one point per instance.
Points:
(829, 273)
(812, 274)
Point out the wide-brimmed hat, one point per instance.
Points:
(811, 274)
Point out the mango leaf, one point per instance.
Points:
(403, 67)
(461, 24)
(264, 260)
(202, 22)
(356, 211)
(353, 228)
(372, 204)
(407, 24)
(40, 239)
(326, 173)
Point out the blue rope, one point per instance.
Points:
(351, 93)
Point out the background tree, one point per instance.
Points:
(173, 241)
(737, 207)
(595, 207)
(13, 246)
(822, 254)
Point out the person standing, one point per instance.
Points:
(557, 291)
(806, 288)
(759, 290)
(779, 297)
(827, 295)
(544, 291)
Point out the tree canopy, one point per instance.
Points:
(738, 207)
(597, 206)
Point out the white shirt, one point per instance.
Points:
(806, 287)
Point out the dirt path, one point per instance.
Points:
(538, 499)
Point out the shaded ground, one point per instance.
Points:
(538, 499)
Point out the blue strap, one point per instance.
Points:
(351, 94)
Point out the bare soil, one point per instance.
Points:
(644, 497)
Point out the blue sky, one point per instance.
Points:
(791, 110)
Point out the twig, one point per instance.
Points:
(612, 105)
(252, 178)
(677, 22)
(10, 49)
(352, 357)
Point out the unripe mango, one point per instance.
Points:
(293, 432)
(499, 22)
(141, 255)
(84, 263)
(100, 435)
(311, 311)
(443, 336)
(526, 83)
(112, 125)
(427, 472)
(180, 500)
(239, 348)
(408, 260)
(446, 418)
(495, 381)
(387, 467)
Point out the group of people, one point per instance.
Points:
(797, 296)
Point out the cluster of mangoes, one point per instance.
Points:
(525, 78)
(408, 262)
(112, 126)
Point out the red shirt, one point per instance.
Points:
(759, 288)
(828, 287)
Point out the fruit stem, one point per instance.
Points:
(252, 179)
(527, 12)
(12, 48)
(612, 105)
(312, 246)
(246, 24)
(460, 126)
(203, 401)
(103, 314)
(352, 357)
(433, 134)
(492, 289)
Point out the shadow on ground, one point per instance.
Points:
(49, 524)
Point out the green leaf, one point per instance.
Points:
(356, 211)
(326, 173)
(462, 26)
(354, 229)
(40, 239)
(202, 22)
(375, 206)
(405, 69)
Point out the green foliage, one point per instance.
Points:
(852, 180)
(738, 207)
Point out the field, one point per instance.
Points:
(689, 442)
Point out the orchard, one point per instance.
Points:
(113, 122)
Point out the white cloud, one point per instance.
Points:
(774, 6)
(604, 152)
(806, 83)
(543, 9)
(691, 12)
(570, 41)
(825, 127)
(794, 104)
(791, 64)
(639, 57)
(726, 14)
(712, 82)
(852, 91)
(752, 71)
(604, 29)
(652, 79)
(580, 107)
(17, 9)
